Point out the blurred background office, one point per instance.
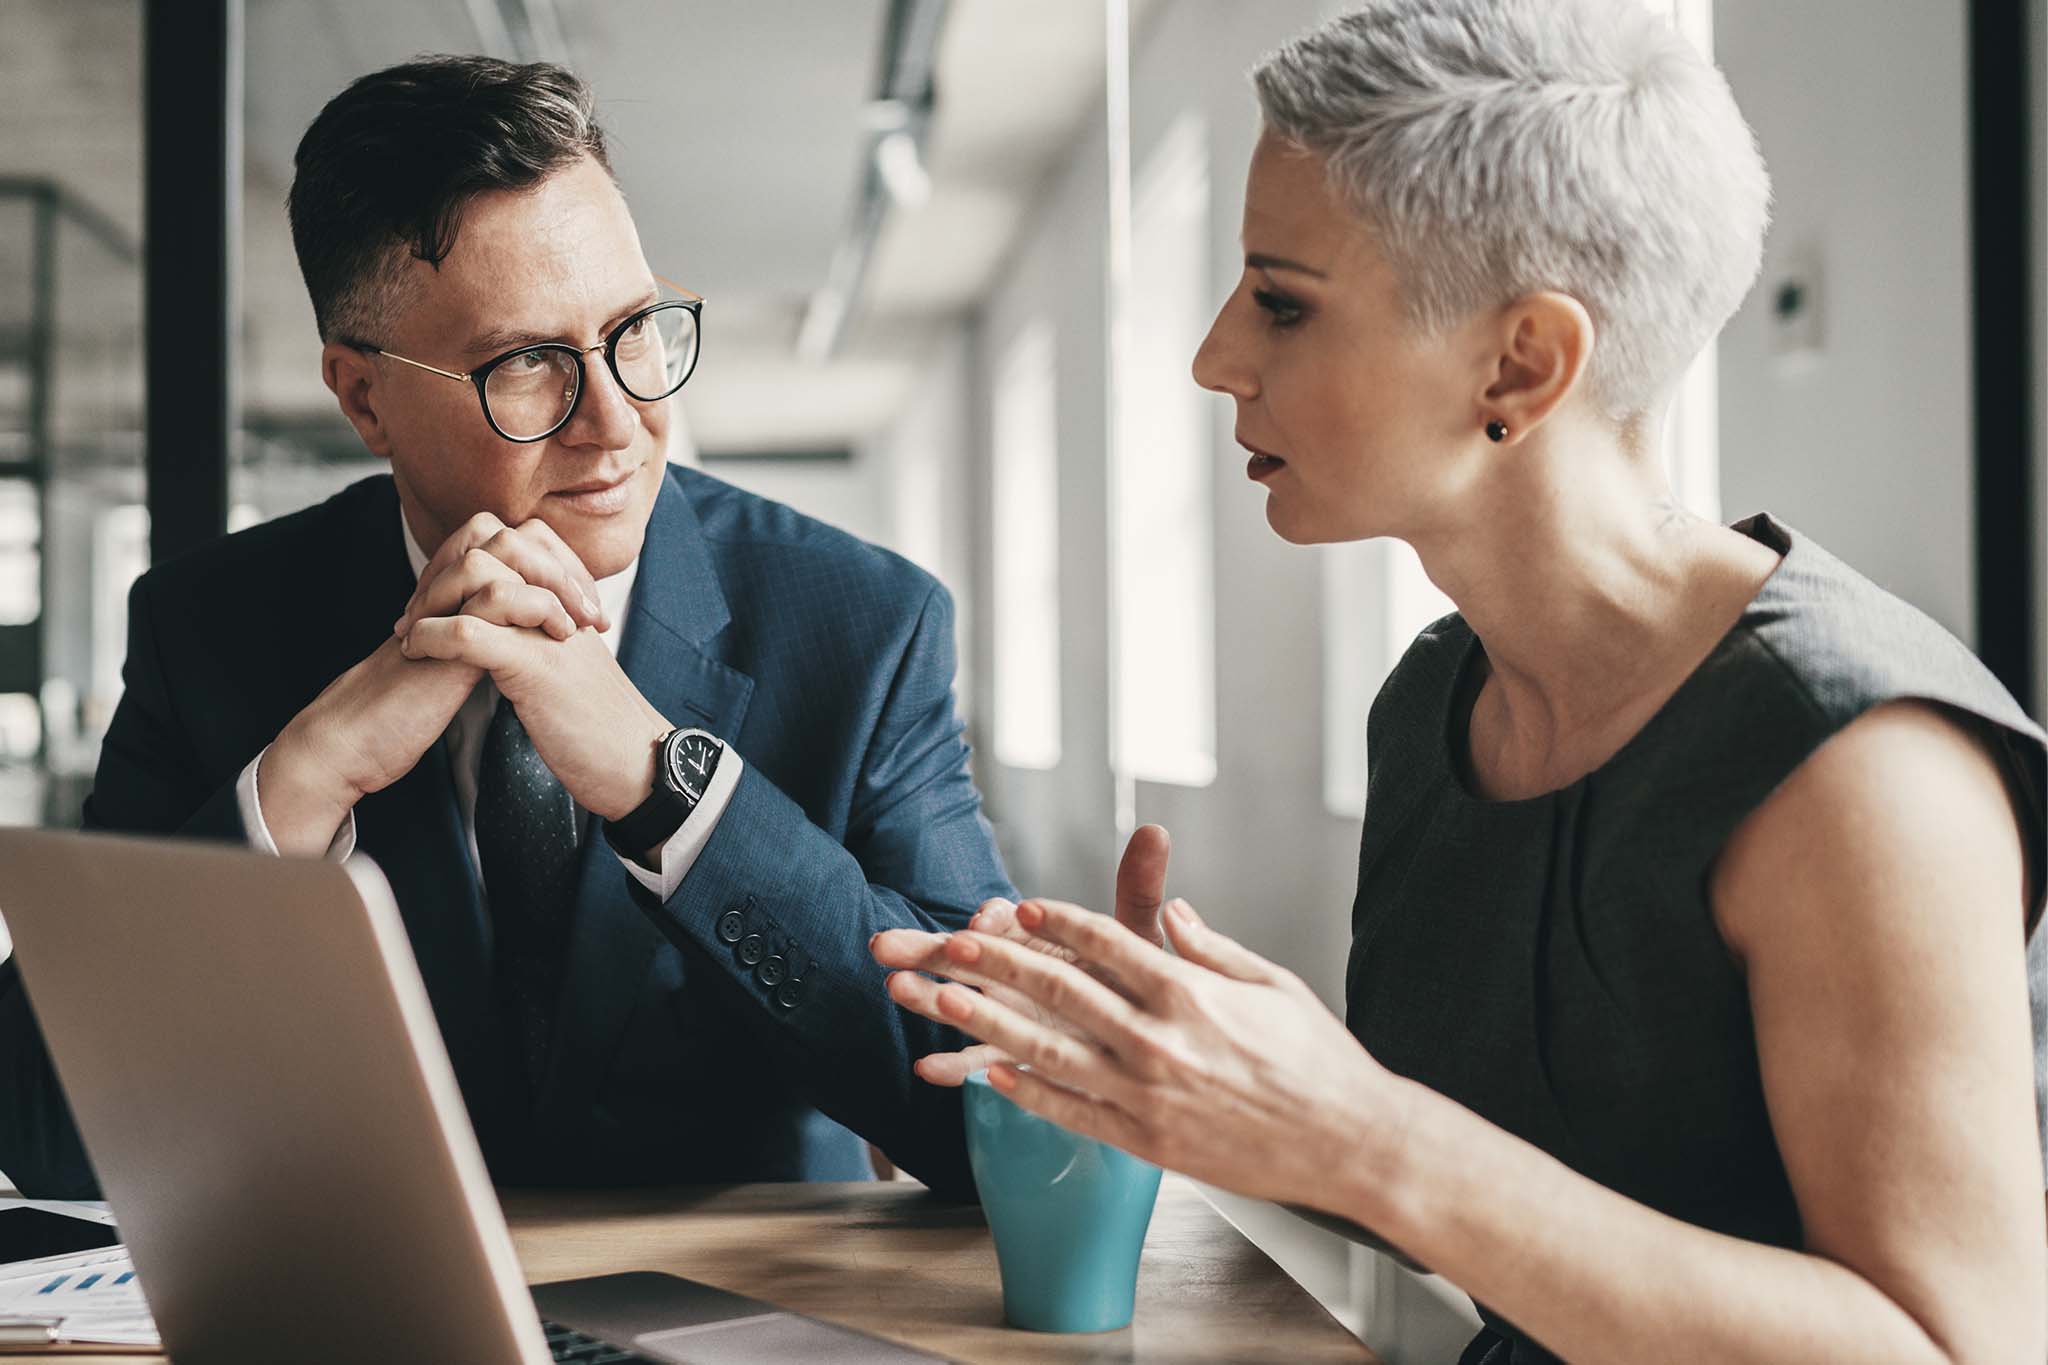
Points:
(958, 255)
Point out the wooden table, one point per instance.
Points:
(887, 1258)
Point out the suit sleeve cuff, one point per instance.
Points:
(246, 797)
(679, 854)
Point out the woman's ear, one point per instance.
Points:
(351, 375)
(1544, 342)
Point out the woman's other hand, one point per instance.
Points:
(1140, 889)
(1218, 1063)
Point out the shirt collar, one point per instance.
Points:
(613, 593)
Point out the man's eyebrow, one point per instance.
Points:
(1259, 260)
(493, 340)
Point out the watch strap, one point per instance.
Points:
(657, 818)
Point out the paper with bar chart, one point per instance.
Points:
(87, 1296)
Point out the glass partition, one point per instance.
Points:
(70, 455)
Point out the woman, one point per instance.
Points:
(1687, 1008)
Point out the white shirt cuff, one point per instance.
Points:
(338, 849)
(679, 854)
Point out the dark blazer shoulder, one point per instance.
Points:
(279, 556)
(750, 535)
(238, 634)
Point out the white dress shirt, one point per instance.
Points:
(465, 741)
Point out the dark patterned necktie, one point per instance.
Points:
(526, 844)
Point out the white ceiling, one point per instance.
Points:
(736, 133)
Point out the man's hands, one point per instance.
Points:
(516, 602)
(1140, 890)
(364, 732)
(588, 722)
(513, 602)
(523, 575)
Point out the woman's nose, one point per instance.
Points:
(1220, 363)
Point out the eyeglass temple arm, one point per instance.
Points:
(420, 365)
(695, 297)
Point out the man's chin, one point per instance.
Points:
(605, 543)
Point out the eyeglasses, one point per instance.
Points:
(530, 393)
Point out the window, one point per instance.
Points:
(1164, 578)
(1376, 600)
(120, 552)
(21, 554)
(1352, 667)
(1025, 449)
(1692, 443)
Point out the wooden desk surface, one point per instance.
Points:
(888, 1259)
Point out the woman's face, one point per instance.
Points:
(1353, 421)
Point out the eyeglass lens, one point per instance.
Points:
(531, 393)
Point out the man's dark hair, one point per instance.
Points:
(387, 168)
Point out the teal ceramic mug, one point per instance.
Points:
(1069, 1215)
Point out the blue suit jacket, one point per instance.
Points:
(825, 662)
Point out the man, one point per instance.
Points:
(647, 760)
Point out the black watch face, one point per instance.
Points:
(691, 760)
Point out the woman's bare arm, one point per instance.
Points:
(1875, 901)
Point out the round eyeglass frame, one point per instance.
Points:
(480, 376)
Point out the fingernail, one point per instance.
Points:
(871, 939)
(398, 626)
(1182, 912)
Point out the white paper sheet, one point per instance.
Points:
(94, 1294)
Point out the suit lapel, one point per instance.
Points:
(676, 609)
(412, 829)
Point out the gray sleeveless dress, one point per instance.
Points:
(1553, 964)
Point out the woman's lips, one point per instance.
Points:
(1261, 466)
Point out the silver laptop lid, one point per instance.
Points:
(256, 1071)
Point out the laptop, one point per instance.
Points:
(255, 1069)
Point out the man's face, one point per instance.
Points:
(560, 261)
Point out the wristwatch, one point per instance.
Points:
(683, 763)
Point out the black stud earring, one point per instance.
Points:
(1496, 431)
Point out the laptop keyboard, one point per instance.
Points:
(569, 1345)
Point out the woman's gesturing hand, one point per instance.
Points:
(1140, 889)
(1217, 1063)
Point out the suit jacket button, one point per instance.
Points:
(752, 949)
(788, 993)
(732, 926)
(772, 972)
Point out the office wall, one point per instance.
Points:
(925, 459)
(1866, 446)
(1255, 850)
(1057, 826)
(1292, 903)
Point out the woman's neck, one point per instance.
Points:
(1594, 596)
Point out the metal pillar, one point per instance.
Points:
(2009, 550)
(192, 241)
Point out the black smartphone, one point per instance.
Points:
(26, 1234)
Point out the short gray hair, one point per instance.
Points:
(1500, 147)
